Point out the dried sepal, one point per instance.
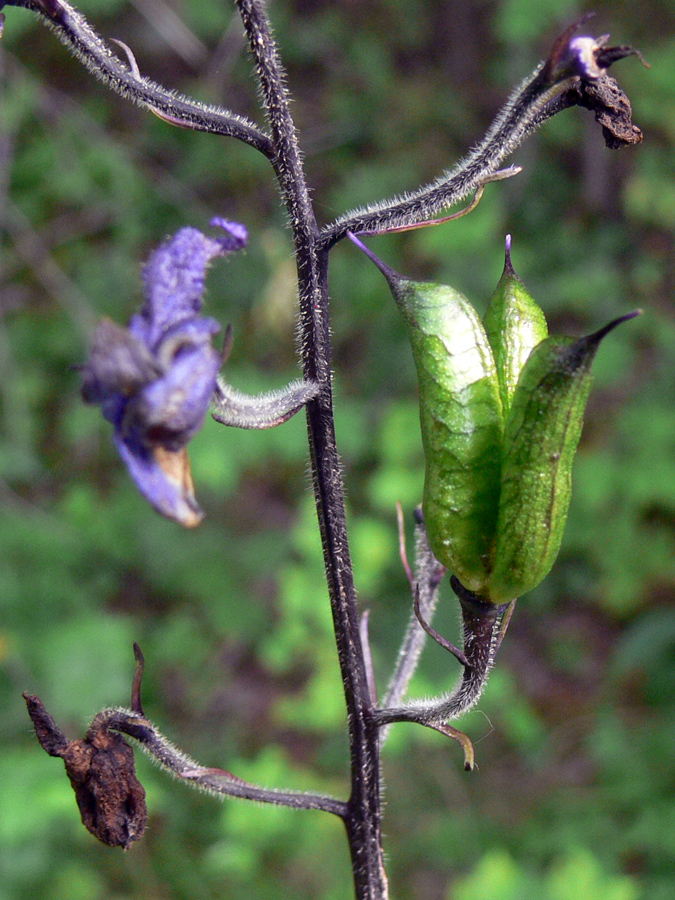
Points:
(588, 59)
(613, 112)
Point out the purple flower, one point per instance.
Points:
(154, 380)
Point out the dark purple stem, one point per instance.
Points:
(363, 819)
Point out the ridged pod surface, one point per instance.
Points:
(501, 410)
(461, 421)
(540, 441)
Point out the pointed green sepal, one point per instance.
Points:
(540, 441)
(515, 324)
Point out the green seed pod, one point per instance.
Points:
(462, 424)
(540, 440)
(461, 420)
(515, 325)
(496, 495)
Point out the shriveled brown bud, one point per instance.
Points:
(102, 773)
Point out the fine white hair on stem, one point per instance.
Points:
(521, 113)
(212, 780)
(428, 575)
(76, 33)
(233, 407)
(484, 626)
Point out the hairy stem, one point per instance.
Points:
(78, 35)
(213, 780)
(428, 576)
(483, 631)
(573, 74)
(363, 820)
(525, 108)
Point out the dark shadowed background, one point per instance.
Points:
(575, 737)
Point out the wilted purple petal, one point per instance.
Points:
(154, 380)
(118, 365)
(164, 478)
(171, 410)
(194, 332)
(174, 276)
(236, 237)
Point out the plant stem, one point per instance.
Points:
(425, 585)
(76, 33)
(484, 625)
(363, 820)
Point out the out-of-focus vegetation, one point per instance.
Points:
(575, 796)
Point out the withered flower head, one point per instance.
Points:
(154, 380)
(102, 773)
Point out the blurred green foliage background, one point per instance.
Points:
(575, 737)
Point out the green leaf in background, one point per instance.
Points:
(578, 874)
